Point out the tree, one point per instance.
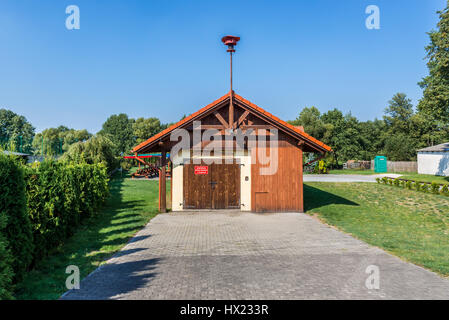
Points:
(342, 135)
(146, 128)
(98, 149)
(16, 133)
(398, 114)
(372, 138)
(400, 147)
(119, 129)
(73, 136)
(435, 99)
(427, 131)
(310, 119)
(55, 141)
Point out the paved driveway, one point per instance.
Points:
(346, 177)
(233, 255)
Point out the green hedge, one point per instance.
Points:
(60, 195)
(13, 206)
(425, 187)
(6, 273)
(40, 206)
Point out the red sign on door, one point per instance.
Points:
(201, 169)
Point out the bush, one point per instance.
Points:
(320, 168)
(60, 195)
(6, 272)
(396, 182)
(445, 190)
(425, 187)
(378, 180)
(417, 185)
(13, 207)
(435, 187)
(409, 185)
(384, 180)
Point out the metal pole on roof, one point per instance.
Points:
(231, 71)
(231, 42)
(231, 105)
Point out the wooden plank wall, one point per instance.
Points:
(282, 191)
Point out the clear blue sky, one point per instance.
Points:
(165, 59)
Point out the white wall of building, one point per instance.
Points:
(434, 163)
(245, 183)
(177, 185)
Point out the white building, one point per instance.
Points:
(434, 160)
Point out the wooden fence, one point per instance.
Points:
(400, 166)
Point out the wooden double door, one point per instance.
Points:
(212, 186)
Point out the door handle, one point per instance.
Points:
(213, 183)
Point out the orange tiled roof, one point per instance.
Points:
(241, 99)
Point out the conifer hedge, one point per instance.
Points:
(13, 208)
(60, 195)
(40, 206)
(6, 273)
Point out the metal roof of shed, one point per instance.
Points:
(444, 147)
(20, 154)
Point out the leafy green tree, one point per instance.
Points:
(146, 128)
(119, 130)
(73, 136)
(310, 119)
(55, 141)
(428, 131)
(342, 135)
(435, 99)
(400, 147)
(16, 133)
(398, 114)
(98, 149)
(372, 138)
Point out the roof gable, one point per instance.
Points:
(246, 104)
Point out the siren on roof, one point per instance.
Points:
(230, 41)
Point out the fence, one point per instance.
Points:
(352, 164)
(392, 166)
(400, 166)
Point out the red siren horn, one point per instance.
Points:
(230, 41)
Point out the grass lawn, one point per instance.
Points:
(131, 205)
(406, 223)
(425, 178)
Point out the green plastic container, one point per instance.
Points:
(380, 164)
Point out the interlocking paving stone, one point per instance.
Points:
(235, 255)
